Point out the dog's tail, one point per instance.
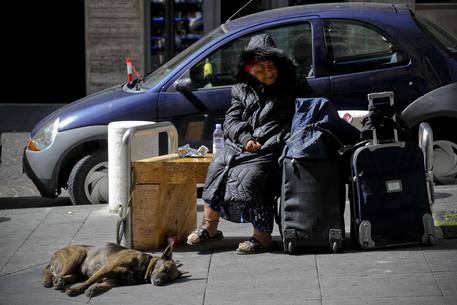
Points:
(46, 277)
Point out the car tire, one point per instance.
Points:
(88, 180)
(445, 161)
(444, 154)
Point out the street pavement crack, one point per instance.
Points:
(318, 278)
(207, 275)
(434, 278)
(80, 227)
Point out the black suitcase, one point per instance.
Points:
(313, 189)
(389, 200)
(312, 204)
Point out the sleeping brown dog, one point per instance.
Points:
(107, 267)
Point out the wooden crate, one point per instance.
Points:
(165, 199)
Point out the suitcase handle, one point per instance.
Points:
(376, 95)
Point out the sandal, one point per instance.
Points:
(203, 237)
(254, 247)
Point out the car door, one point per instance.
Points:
(362, 59)
(202, 93)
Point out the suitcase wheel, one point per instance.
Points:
(335, 247)
(431, 240)
(290, 247)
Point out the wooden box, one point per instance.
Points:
(165, 199)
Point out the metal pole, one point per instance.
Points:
(148, 129)
(426, 145)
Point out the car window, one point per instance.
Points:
(356, 47)
(154, 77)
(220, 67)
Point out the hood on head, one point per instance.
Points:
(262, 47)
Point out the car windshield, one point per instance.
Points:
(153, 78)
(444, 37)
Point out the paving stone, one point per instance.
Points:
(451, 300)
(365, 263)
(25, 288)
(447, 282)
(442, 260)
(435, 300)
(378, 285)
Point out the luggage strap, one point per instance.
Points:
(121, 225)
(343, 148)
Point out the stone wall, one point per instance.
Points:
(411, 3)
(114, 31)
(444, 15)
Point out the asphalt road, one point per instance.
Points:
(16, 189)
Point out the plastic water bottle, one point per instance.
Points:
(218, 139)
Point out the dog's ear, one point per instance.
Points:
(151, 265)
(168, 252)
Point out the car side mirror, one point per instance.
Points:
(183, 85)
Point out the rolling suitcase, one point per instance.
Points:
(312, 203)
(389, 200)
(313, 189)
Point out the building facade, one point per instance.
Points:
(150, 32)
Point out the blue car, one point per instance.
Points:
(344, 50)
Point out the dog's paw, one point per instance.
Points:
(92, 292)
(73, 291)
(59, 284)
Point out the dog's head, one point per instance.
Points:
(164, 269)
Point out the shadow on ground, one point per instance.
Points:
(32, 202)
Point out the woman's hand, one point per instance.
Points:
(253, 146)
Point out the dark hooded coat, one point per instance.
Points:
(242, 185)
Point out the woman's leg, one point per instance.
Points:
(264, 238)
(261, 239)
(210, 222)
(210, 219)
(248, 246)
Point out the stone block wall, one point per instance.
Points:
(444, 15)
(114, 31)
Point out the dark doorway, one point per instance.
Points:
(43, 44)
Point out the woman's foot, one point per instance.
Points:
(258, 243)
(202, 236)
(208, 230)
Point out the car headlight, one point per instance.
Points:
(44, 137)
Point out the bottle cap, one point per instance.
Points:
(218, 126)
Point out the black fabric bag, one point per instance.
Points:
(317, 131)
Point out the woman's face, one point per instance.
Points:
(265, 72)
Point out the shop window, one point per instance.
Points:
(187, 26)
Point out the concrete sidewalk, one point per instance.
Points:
(416, 275)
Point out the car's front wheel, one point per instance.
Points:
(444, 150)
(88, 180)
(445, 161)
